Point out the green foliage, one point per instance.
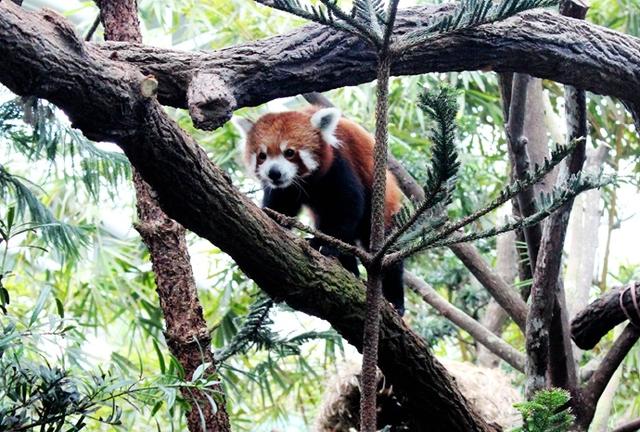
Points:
(370, 22)
(44, 391)
(33, 128)
(467, 14)
(546, 412)
(429, 215)
(426, 226)
(255, 332)
(61, 236)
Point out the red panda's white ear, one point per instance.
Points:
(326, 120)
(243, 126)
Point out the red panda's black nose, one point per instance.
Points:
(275, 174)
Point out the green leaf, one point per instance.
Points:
(40, 303)
(160, 356)
(156, 407)
(200, 371)
(60, 307)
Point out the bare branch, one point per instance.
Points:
(520, 161)
(504, 294)
(480, 333)
(288, 222)
(621, 347)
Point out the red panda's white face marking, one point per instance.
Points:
(276, 170)
(282, 147)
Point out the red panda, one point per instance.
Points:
(319, 159)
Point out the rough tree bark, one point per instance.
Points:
(186, 330)
(603, 314)
(315, 58)
(103, 98)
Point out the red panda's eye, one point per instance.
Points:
(289, 153)
(262, 156)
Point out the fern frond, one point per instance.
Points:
(531, 178)
(548, 204)
(365, 11)
(430, 214)
(250, 333)
(467, 14)
(62, 236)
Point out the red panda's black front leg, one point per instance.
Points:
(393, 286)
(338, 202)
(287, 201)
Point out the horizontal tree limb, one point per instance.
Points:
(316, 58)
(480, 333)
(43, 57)
(603, 314)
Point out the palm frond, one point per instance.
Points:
(33, 129)
(60, 235)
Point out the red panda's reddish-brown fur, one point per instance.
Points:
(355, 145)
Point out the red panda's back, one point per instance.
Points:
(357, 147)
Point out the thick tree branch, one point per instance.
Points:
(315, 58)
(43, 57)
(603, 314)
(480, 333)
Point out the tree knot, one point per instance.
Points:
(211, 102)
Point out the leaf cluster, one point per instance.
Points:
(371, 22)
(546, 412)
(34, 128)
(256, 332)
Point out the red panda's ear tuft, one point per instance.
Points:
(326, 121)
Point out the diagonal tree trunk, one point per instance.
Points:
(186, 330)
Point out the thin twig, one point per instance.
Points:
(93, 28)
(287, 221)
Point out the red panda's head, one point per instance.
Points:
(282, 147)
